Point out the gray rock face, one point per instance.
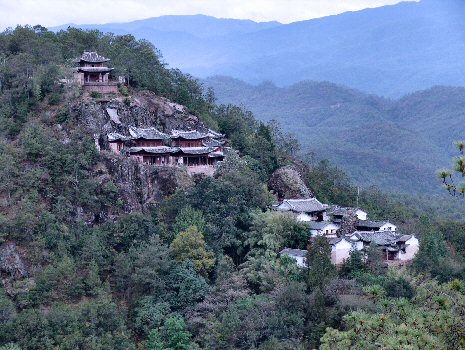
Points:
(143, 109)
(287, 183)
(348, 224)
(139, 185)
(11, 263)
(142, 185)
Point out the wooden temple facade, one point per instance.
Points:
(93, 73)
(198, 151)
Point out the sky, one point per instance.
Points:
(55, 12)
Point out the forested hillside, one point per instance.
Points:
(389, 50)
(396, 144)
(198, 267)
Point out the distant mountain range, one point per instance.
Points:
(390, 50)
(396, 144)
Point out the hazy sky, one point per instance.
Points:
(55, 12)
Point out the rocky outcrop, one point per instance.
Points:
(13, 270)
(142, 109)
(11, 263)
(141, 185)
(348, 224)
(287, 183)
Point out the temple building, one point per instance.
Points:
(199, 152)
(93, 73)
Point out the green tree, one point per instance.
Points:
(320, 268)
(175, 335)
(190, 245)
(154, 341)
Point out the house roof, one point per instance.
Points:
(154, 150)
(188, 135)
(343, 211)
(95, 69)
(294, 252)
(214, 134)
(196, 150)
(114, 136)
(372, 224)
(383, 238)
(92, 57)
(147, 134)
(319, 225)
(213, 143)
(335, 240)
(302, 205)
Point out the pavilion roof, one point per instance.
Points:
(95, 69)
(147, 134)
(188, 135)
(92, 57)
(154, 150)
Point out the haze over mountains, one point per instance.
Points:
(396, 144)
(390, 51)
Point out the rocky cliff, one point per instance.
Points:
(139, 184)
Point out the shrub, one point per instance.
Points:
(95, 94)
(54, 99)
(124, 90)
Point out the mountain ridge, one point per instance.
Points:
(390, 50)
(367, 135)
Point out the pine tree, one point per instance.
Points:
(320, 267)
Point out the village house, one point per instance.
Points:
(199, 152)
(340, 251)
(299, 255)
(341, 248)
(396, 247)
(326, 221)
(305, 210)
(338, 213)
(323, 228)
(93, 73)
(368, 225)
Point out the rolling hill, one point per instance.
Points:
(395, 144)
(389, 51)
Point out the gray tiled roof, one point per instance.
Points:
(342, 211)
(371, 224)
(147, 134)
(294, 252)
(196, 150)
(114, 136)
(213, 143)
(334, 240)
(384, 238)
(154, 150)
(188, 135)
(302, 205)
(93, 57)
(95, 69)
(214, 134)
(314, 225)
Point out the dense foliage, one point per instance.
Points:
(201, 270)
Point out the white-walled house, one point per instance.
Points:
(410, 248)
(323, 228)
(340, 250)
(368, 225)
(396, 247)
(306, 210)
(299, 255)
(338, 213)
